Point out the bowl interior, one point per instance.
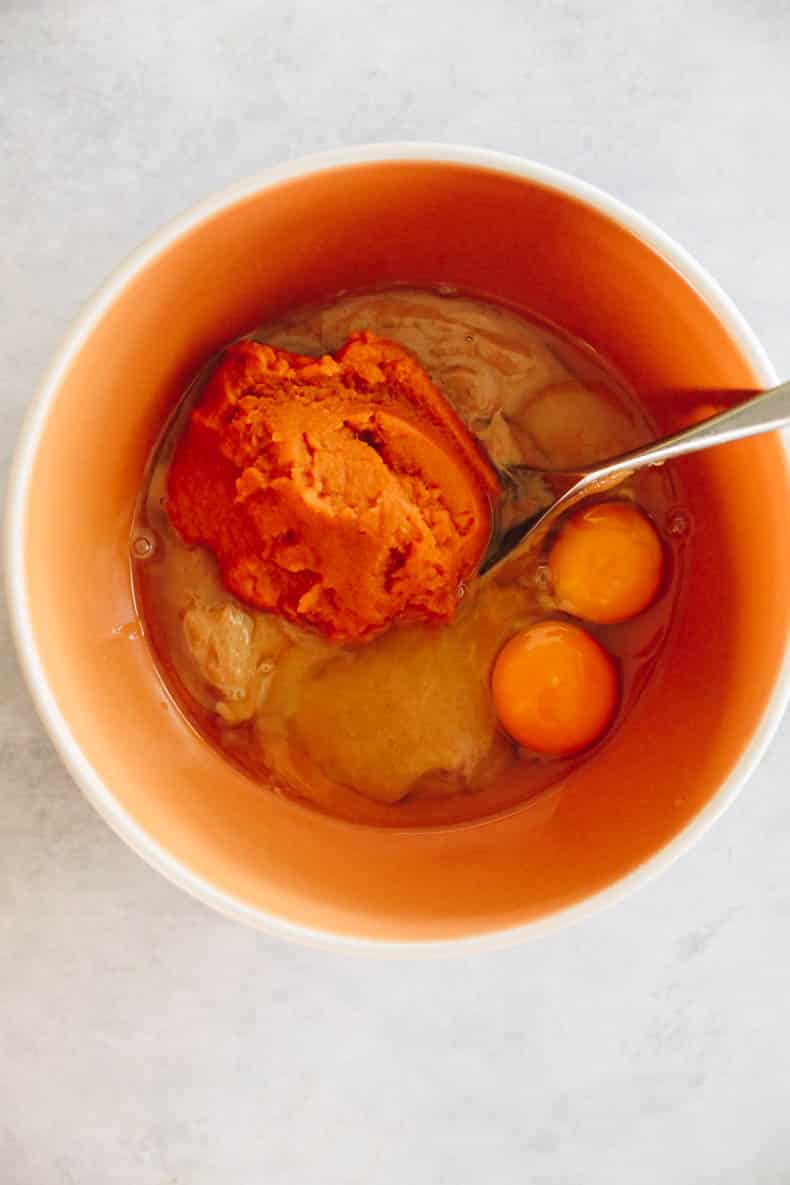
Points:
(298, 241)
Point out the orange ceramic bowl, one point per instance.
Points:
(423, 214)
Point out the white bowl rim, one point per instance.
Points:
(31, 662)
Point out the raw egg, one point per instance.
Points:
(607, 563)
(554, 688)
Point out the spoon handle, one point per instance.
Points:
(763, 413)
(517, 519)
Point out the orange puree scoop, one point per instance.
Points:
(343, 493)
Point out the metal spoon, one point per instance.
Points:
(521, 513)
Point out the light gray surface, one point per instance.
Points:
(146, 1041)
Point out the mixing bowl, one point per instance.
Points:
(424, 214)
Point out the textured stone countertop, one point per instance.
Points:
(147, 1041)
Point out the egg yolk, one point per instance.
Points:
(607, 563)
(554, 688)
